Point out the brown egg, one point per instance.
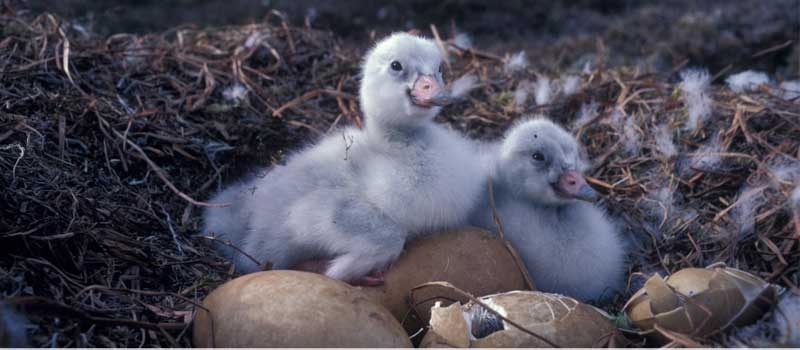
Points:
(699, 302)
(471, 259)
(293, 309)
(554, 319)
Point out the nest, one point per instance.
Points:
(109, 146)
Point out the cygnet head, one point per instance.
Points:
(402, 82)
(541, 162)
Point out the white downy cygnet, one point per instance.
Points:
(353, 199)
(567, 244)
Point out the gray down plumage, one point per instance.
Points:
(356, 196)
(568, 245)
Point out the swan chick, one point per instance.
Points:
(542, 200)
(348, 203)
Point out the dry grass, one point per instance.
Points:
(108, 147)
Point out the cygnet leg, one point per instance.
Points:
(366, 265)
(374, 278)
(362, 240)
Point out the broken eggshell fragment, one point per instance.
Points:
(559, 320)
(699, 302)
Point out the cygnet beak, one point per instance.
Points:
(573, 185)
(427, 92)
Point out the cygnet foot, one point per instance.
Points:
(377, 278)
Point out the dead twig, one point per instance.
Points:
(159, 171)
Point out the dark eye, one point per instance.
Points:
(397, 66)
(539, 157)
(440, 68)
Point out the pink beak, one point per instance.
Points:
(573, 185)
(427, 92)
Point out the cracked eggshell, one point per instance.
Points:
(700, 302)
(471, 259)
(449, 327)
(560, 319)
(293, 309)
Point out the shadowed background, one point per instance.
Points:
(658, 34)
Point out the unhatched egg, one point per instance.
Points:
(471, 259)
(293, 309)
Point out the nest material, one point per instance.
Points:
(108, 147)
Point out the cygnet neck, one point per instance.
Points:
(503, 189)
(396, 133)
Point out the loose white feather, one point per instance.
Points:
(790, 90)
(587, 113)
(543, 90)
(631, 139)
(661, 205)
(747, 81)
(521, 94)
(463, 41)
(516, 63)
(463, 85)
(664, 143)
(235, 93)
(746, 208)
(707, 157)
(785, 169)
(694, 91)
(570, 85)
